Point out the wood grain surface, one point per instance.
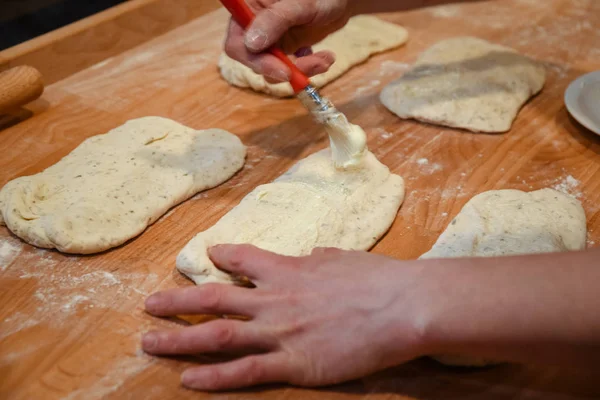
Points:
(70, 326)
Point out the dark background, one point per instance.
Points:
(21, 20)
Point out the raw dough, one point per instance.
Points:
(467, 83)
(312, 205)
(509, 222)
(112, 186)
(362, 37)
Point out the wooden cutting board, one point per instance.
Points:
(70, 326)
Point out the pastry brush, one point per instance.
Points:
(348, 141)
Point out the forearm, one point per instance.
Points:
(531, 309)
(381, 6)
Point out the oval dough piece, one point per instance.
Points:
(468, 83)
(311, 205)
(511, 222)
(112, 186)
(362, 37)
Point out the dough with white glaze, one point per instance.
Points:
(347, 141)
(312, 205)
(468, 83)
(362, 37)
(511, 222)
(112, 186)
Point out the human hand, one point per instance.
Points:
(317, 320)
(294, 25)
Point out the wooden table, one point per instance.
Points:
(70, 326)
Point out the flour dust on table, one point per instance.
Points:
(112, 186)
(362, 37)
(468, 83)
(312, 205)
(511, 222)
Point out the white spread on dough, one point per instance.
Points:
(362, 37)
(510, 222)
(112, 186)
(312, 205)
(468, 83)
(348, 142)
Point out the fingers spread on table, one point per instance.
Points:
(247, 371)
(221, 336)
(211, 298)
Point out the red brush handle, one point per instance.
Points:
(242, 14)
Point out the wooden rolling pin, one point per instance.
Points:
(19, 86)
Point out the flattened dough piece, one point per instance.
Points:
(312, 205)
(362, 37)
(112, 186)
(510, 222)
(468, 83)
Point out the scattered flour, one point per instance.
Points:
(39, 260)
(561, 71)
(372, 84)
(9, 250)
(558, 40)
(454, 192)
(73, 302)
(122, 370)
(14, 356)
(201, 195)
(383, 133)
(30, 275)
(64, 287)
(568, 186)
(16, 323)
(96, 289)
(389, 67)
(167, 62)
(446, 11)
(427, 168)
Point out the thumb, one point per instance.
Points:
(274, 21)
